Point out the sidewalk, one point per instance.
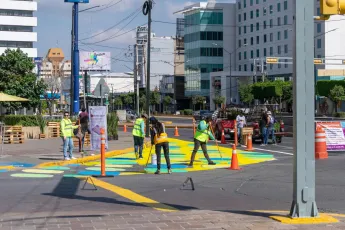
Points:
(39, 151)
(153, 220)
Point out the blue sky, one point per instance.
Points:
(54, 25)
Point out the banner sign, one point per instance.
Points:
(95, 61)
(335, 134)
(98, 120)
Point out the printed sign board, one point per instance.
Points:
(335, 134)
(98, 120)
(95, 61)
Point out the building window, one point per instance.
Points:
(278, 6)
(251, 14)
(279, 49)
(279, 66)
(265, 38)
(285, 65)
(244, 16)
(239, 68)
(244, 3)
(271, 23)
(205, 84)
(239, 30)
(17, 13)
(245, 41)
(251, 41)
(239, 56)
(319, 43)
(257, 26)
(251, 2)
(14, 44)
(244, 29)
(210, 52)
(208, 17)
(271, 9)
(318, 27)
(278, 21)
(239, 43)
(286, 34)
(251, 54)
(239, 5)
(271, 37)
(265, 52)
(278, 35)
(245, 55)
(271, 51)
(257, 53)
(251, 27)
(257, 13)
(265, 25)
(271, 66)
(239, 18)
(285, 20)
(257, 40)
(16, 28)
(318, 11)
(245, 67)
(285, 5)
(264, 11)
(286, 49)
(257, 2)
(251, 67)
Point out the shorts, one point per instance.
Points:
(138, 140)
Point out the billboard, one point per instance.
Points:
(95, 61)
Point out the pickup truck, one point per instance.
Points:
(223, 124)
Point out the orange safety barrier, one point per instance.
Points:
(125, 128)
(176, 132)
(234, 160)
(223, 138)
(249, 143)
(320, 144)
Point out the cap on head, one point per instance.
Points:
(144, 115)
(153, 120)
(269, 113)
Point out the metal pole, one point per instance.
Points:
(137, 81)
(75, 62)
(101, 93)
(148, 75)
(303, 204)
(112, 97)
(72, 63)
(85, 87)
(230, 79)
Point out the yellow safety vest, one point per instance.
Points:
(202, 136)
(137, 128)
(161, 139)
(66, 128)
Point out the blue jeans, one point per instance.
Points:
(265, 135)
(271, 131)
(68, 143)
(239, 134)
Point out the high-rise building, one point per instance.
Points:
(17, 24)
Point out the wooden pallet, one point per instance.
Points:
(13, 135)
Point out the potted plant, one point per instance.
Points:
(112, 122)
(42, 124)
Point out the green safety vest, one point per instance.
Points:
(66, 128)
(202, 136)
(137, 128)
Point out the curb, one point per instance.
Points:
(166, 126)
(89, 158)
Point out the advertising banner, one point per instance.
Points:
(335, 134)
(95, 61)
(98, 120)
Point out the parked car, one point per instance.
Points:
(199, 114)
(131, 115)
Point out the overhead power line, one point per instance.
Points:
(106, 6)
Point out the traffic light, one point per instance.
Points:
(332, 7)
(270, 60)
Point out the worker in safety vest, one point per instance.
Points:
(66, 128)
(159, 138)
(201, 137)
(139, 135)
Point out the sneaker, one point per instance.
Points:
(262, 145)
(67, 159)
(141, 157)
(211, 163)
(190, 165)
(169, 171)
(73, 158)
(158, 172)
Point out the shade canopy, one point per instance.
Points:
(9, 98)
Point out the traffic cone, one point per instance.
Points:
(249, 143)
(320, 144)
(125, 128)
(234, 160)
(223, 138)
(176, 132)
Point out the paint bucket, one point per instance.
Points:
(154, 159)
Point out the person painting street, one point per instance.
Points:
(66, 135)
(159, 138)
(139, 135)
(201, 137)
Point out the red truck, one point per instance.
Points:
(221, 121)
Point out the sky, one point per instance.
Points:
(54, 26)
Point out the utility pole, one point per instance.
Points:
(75, 57)
(147, 8)
(72, 63)
(304, 204)
(136, 82)
(85, 87)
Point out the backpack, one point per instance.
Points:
(271, 120)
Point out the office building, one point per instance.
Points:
(17, 24)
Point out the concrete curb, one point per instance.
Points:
(89, 158)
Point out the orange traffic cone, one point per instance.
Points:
(249, 143)
(234, 160)
(176, 132)
(320, 144)
(125, 128)
(223, 138)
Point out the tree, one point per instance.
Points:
(155, 98)
(198, 100)
(337, 94)
(167, 101)
(18, 79)
(218, 100)
(142, 102)
(118, 102)
(128, 100)
(53, 89)
(246, 95)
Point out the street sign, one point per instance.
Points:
(77, 1)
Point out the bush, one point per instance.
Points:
(340, 114)
(112, 123)
(21, 120)
(181, 112)
(188, 112)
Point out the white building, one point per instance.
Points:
(114, 82)
(17, 23)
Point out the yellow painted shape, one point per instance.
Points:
(115, 166)
(132, 196)
(321, 219)
(42, 171)
(10, 167)
(93, 163)
(130, 173)
(215, 166)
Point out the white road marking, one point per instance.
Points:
(290, 154)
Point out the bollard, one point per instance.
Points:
(234, 159)
(125, 128)
(223, 138)
(102, 152)
(236, 136)
(320, 144)
(249, 143)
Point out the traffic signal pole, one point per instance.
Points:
(75, 57)
(304, 204)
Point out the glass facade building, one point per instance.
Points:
(203, 34)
